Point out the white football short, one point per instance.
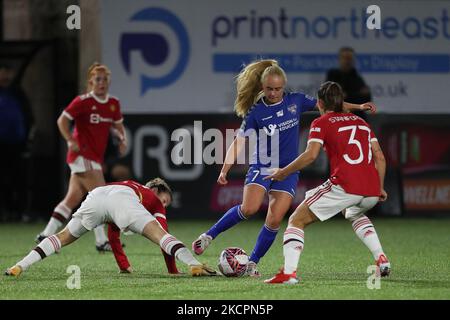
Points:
(329, 199)
(81, 164)
(114, 203)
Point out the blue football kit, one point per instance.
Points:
(275, 128)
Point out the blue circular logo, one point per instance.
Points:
(155, 48)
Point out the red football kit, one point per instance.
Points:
(154, 206)
(93, 118)
(346, 138)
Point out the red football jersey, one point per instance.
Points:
(346, 138)
(146, 196)
(93, 118)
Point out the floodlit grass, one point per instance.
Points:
(333, 265)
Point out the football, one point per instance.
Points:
(233, 262)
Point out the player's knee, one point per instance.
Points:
(294, 220)
(74, 228)
(248, 210)
(298, 219)
(274, 221)
(358, 211)
(352, 215)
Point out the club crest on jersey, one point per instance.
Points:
(292, 108)
(271, 130)
(280, 113)
(112, 107)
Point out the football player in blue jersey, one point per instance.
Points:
(271, 119)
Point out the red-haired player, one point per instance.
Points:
(93, 115)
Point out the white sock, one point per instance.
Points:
(61, 213)
(47, 247)
(365, 231)
(185, 256)
(30, 259)
(100, 235)
(176, 248)
(293, 241)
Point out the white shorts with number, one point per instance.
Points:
(114, 203)
(81, 164)
(328, 199)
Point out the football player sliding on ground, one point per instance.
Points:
(356, 183)
(124, 204)
(156, 204)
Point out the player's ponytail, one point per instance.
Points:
(92, 70)
(160, 185)
(332, 96)
(249, 83)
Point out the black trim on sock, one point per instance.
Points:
(175, 248)
(41, 252)
(59, 217)
(289, 240)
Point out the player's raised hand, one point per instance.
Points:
(383, 196)
(73, 145)
(276, 174)
(222, 179)
(369, 106)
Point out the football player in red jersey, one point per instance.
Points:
(356, 183)
(126, 205)
(263, 104)
(93, 115)
(155, 201)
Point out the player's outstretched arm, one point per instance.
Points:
(116, 246)
(380, 164)
(368, 106)
(232, 154)
(303, 160)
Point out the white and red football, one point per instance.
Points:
(233, 262)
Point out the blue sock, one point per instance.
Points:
(230, 218)
(265, 239)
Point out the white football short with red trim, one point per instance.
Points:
(113, 203)
(81, 164)
(329, 199)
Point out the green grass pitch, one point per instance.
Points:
(333, 265)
